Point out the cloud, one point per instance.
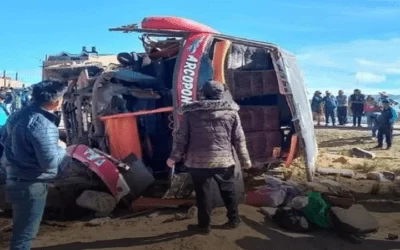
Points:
(390, 68)
(354, 64)
(365, 77)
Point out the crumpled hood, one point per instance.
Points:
(211, 109)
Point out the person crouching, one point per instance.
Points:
(385, 124)
(208, 132)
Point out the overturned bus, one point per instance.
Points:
(120, 120)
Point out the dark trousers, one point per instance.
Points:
(342, 115)
(357, 114)
(330, 113)
(386, 131)
(202, 180)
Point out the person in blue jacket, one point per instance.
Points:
(385, 124)
(31, 158)
(330, 104)
(3, 111)
(316, 106)
(3, 119)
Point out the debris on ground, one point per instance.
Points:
(192, 213)
(100, 202)
(362, 153)
(392, 237)
(7, 228)
(153, 215)
(97, 222)
(335, 171)
(381, 176)
(341, 160)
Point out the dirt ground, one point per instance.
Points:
(153, 232)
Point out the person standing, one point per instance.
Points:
(370, 106)
(356, 102)
(31, 158)
(17, 101)
(208, 133)
(3, 119)
(330, 104)
(25, 98)
(316, 106)
(9, 101)
(375, 124)
(385, 124)
(342, 107)
(385, 96)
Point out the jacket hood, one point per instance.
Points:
(211, 108)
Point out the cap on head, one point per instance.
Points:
(383, 94)
(213, 90)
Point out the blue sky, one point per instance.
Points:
(340, 44)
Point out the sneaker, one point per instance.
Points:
(199, 230)
(378, 147)
(231, 224)
(388, 147)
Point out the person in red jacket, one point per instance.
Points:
(370, 107)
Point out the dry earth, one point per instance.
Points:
(151, 232)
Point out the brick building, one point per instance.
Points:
(53, 64)
(8, 82)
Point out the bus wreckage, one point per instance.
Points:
(119, 120)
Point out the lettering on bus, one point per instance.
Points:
(188, 79)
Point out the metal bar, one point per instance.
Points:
(247, 41)
(143, 112)
(152, 32)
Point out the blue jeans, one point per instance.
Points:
(369, 120)
(28, 200)
(374, 129)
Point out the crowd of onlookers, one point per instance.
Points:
(12, 100)
(379, 113)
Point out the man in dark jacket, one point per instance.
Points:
(31, 158)
(209, 131)
(385, 124)
(356, 102)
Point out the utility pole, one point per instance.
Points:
(4, 78)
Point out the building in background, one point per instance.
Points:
(64, 63)
(8, 82)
